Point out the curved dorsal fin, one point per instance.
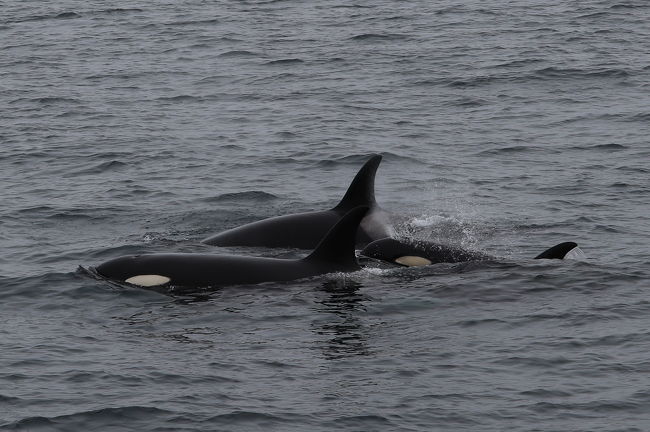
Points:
(362, 189)
(337, 247)
(557, 251)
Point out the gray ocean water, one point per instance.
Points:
(506, 127)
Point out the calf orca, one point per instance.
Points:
(334, 253)
(417, 253)
(304, 230)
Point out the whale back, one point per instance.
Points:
(418, 252)
(335, 253)
(305, 230)
(299, 230)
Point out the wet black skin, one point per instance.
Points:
(305, 230)
(335, 253)
(389, 249)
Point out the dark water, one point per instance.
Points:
(506, 127)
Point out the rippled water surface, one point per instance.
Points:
(506, 127)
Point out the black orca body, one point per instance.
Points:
(305, 230)
(561, 251)
(335, 253)
(417, 253)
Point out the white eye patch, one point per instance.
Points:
(148, 280)
(412, 261)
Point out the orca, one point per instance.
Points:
(334, 253)
(412, 253)
(566, 250)
(304, 230)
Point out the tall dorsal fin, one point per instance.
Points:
(362, 189)
(337, 247)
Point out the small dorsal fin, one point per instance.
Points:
(337, 247)
(557, 251)
(362, 189)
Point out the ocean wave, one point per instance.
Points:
(33, 286)
(518, 63)
(68, 15)
(358, 159)
(9, 399)
(641, 170)
(377, 37)
(73, 215)
(543, 74)
(93, 419)
(640, 117)
(545, 393)
(363, 422)
(117, 11)
(47, 100)
(239, 53)
(181, 98)
(468, 102)
(260, 419)
(630, 5)
(572, 73)
(288, 61)
(60, 15)
(192, 22)
(597, 406)
(510, 149)
(110, 166)
(592, 15)
(254, 195)
(482, 322)
(71, 212)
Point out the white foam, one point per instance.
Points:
(427, 221)
(375, 271)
